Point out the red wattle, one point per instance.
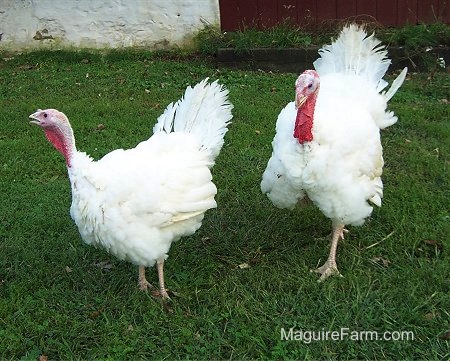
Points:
(304, 122)
(58, 144)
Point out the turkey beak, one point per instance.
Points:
(300, 99)
(35, 118)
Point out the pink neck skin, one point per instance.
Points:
(304, 120)
(62, 142)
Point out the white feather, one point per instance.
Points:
(396, 84)
(355, 53)
(281, 181)
(203, 112)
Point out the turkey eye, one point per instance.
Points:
(310, 86)
(45, 115)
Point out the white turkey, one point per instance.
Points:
(327, 144)
(134, 203)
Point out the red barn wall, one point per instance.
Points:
(235, 14)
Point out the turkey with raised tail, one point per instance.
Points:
(327, 144)
(134, 203)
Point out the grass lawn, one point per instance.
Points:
(244, 276)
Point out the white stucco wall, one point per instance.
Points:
(31, 24)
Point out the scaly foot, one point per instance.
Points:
(143, 283)
(162, 289)
(161, 294)
(328, 269)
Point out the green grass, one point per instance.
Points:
(282, 35)
(415, 37)
(66, 300)
(412, 37)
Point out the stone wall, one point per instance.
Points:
(156, 24)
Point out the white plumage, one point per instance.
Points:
(134, 203)
(339, 165)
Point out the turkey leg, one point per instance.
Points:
(162, 290)
(329, 268)
(143, 283)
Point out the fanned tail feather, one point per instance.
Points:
(357, 53)
(389, 118)
(396, 84)
(204, 112)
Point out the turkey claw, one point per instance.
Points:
(344, 231)
(144, 285)
(327, 270)
(161, 294)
